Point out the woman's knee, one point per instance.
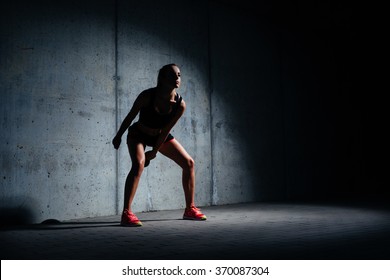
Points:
(137, 167)
(189, 164)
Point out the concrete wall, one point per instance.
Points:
(70, 71)
(273, 109)
(296, 114)
(247, 118)
(57, 109)
(150, 35)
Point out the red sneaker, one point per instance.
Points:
(194, 213)
(129, 219)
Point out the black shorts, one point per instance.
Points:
(134, 134)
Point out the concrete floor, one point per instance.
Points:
(278, 231)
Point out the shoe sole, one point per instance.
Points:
(194, 219)
(131, 225)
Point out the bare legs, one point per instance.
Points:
(137, 155)
(173, 150)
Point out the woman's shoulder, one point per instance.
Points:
(180, 101)
(146, 94)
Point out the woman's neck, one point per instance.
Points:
(166, 93)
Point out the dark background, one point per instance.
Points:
(333, 94)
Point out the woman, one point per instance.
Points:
(159, 109)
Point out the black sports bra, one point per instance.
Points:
(153, 119)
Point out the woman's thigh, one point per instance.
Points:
(136, 151)
(175, 151)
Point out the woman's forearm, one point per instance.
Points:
(160, 140)
(124, 126)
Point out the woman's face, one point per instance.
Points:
(172, 77)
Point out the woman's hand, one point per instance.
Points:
(149, 155)
(116, 142)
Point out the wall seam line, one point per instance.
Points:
(210, 89)
(116, 104)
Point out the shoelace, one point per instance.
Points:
(195, 211)
(130, 215)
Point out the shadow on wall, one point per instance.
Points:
(19, 210)
(16, 216)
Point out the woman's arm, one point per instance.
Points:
(165, 131)
(138, 104)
